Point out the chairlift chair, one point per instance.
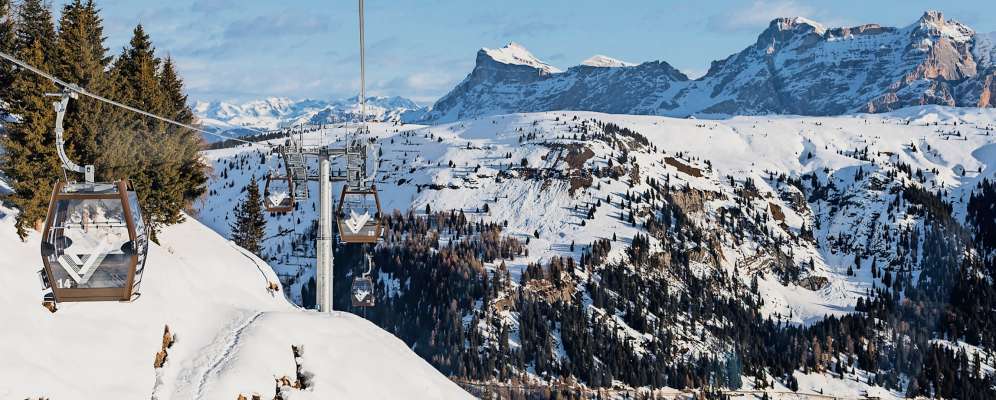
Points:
(278, 193)
(359, 215)
(94, 243)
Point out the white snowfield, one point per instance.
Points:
(232, 336)
(602, 61)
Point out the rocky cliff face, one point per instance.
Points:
(501, 84)
(796, 66)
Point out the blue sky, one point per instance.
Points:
(240, 50)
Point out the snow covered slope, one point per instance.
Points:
(232, 335)
(796, 66)
(466, 165)
(808, 214)
(514, 54)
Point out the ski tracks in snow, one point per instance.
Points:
(225, 353)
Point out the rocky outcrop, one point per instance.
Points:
(980, 90)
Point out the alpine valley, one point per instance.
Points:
(813, 216)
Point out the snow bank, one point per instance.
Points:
(232, 335)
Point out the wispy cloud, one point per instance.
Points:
(213, 6)
(422, 87)
(505, 27)
(757, 14)
(277, 25)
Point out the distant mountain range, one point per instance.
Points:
(277, 112)
(796, 66)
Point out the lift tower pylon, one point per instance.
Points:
(324, 244)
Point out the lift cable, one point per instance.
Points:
(84, 92)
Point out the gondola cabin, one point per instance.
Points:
(362, 292)
(359, 215)
(278, 194)
(94, 243)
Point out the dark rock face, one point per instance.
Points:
(796, 66)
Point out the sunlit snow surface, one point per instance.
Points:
(232, 335)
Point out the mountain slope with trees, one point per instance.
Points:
(583, 250)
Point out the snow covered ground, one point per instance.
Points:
(232, 335)
(458, 166)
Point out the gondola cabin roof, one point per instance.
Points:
(94, 242)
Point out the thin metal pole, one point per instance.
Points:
(325, 257)
(363, 72)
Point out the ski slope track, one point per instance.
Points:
(232, 336)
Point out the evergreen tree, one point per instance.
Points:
(138, 67)
(249, 226)
(29, 158)
(161, 160)
(187, 142)
(7, 40)
(34, 23)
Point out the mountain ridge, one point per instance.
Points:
(796, 66)
(278, 112)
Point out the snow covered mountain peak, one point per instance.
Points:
(516, 54)
(932, 23)
(599, 60)
(797, 23)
